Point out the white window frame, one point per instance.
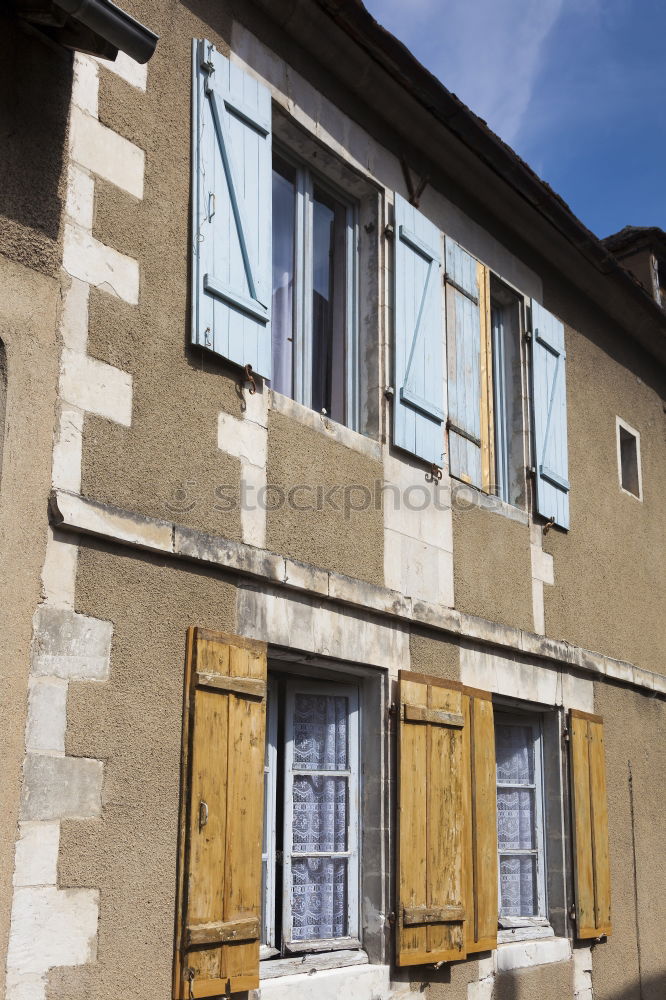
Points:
(306, 180)
(620, 423)
(540, 920)
(351, 940)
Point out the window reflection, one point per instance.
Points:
(284, 223)
(328, 306)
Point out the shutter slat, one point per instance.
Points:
(480, 822)
(220, 882)
(418, 404)
(549, 407)
(590, 826)
(231, 211)
(430, 837)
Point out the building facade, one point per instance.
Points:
(332, 526)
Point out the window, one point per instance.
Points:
(313, 294)
(520, 818)
(629, 459)
(506, 325)
(311, 840)
(488, 390)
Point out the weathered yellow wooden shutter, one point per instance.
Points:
(430, 909)
(217, 947)
(480, 805)
(590, 825)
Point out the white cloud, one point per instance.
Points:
(489, 52)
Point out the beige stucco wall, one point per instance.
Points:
(133, 722)
(492, 567)
(437, 656)
(635, 738)
(610, 574)
(34, 132)
(28, 308)
(337, 537)
(551, 981)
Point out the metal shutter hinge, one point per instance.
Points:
(389, 231)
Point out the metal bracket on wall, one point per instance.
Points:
(415, 192)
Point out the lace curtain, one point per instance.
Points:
(320, 817)
(515, 819)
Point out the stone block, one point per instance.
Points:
(106, 153)
(524, 954)
(36, 858)
(61, 788)
(70, 645)
(91, 517)
(52, 927)
(47, 715)
(134, 73)
(86, 258)
(303, 576)
(96, 387)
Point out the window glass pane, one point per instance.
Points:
(518, 886)
(320, 732)
(319, 898)
(282, 307)
(329, 227)
(507, 377)
(319, 814)
(515, 819)
(514, 748)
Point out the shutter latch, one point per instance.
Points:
(190, 981)
(434, 473)
(203, 814)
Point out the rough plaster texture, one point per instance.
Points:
(617, 973)
(439, 657)
(349, 542)
(34, 135)
(169, 463)
(610, 574)
(552, 981)
(133, 722)
(492, 566)
(27, 329)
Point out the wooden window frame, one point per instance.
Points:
(306, 180)
(540, 920)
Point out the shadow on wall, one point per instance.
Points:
(509, 986)
(35, 90)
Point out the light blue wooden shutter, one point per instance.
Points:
(463, 336)
(231, 211)
(418, 410)
(549, 405)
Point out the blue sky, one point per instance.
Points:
(576, 87)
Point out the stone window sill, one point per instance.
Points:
(356, 982)
(525, 954)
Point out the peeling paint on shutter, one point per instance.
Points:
(431, 905)
(590, 825)
(480, 802)
(217, 946)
